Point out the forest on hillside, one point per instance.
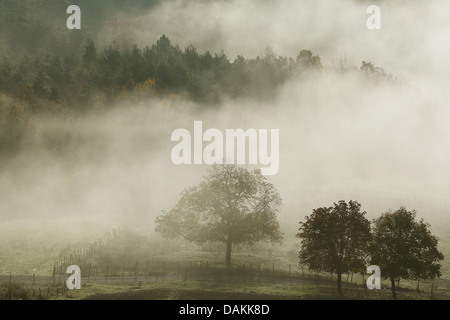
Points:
(99, 78)
(48, 70)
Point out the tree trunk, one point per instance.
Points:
(418, 285)
(228, 255)
(394, 289)
(339, 281)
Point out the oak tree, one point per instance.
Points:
(335, 239)
(232, 205)
(404, 248)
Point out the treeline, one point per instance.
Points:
(202, 77)
(74, 81)
(45, 66)
(119, 74)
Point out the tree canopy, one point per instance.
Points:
(335, 239)
(404, 248)
(232, 205)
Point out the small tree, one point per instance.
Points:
(369, 69)
(426, 255)
(305, 60)
(90, 54)
(334, 239)
(404, 248)
(232, 205)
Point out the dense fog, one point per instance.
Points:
(342, 136)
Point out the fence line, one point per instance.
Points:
(45, 287)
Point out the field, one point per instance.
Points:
(132, 266)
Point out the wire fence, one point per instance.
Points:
(16, 287)
(172, 270)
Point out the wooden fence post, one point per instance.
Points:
(259, 271)
(364, 283)
(433, 289)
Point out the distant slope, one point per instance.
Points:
(33, 27)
